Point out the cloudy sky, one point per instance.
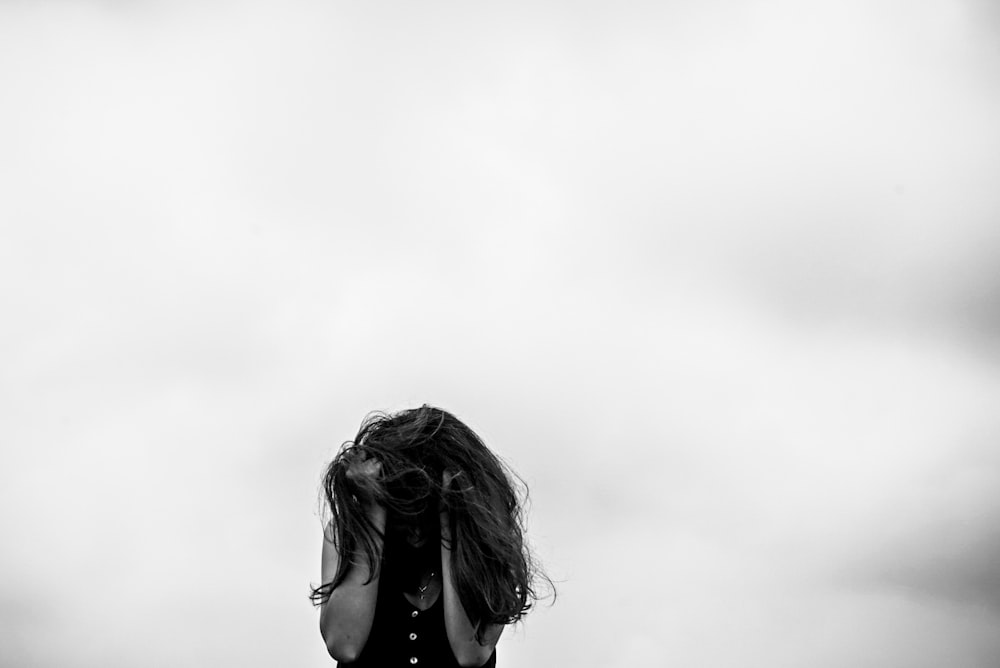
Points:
(719, 279)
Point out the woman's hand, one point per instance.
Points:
(447, 477)
(447, 480)
(364, 477)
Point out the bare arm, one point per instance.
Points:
(345, 619)
(461, 631)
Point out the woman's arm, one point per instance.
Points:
(461, 631)
(345, 618)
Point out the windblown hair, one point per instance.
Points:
(494, 572)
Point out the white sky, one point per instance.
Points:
(719, 279)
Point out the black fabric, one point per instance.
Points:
(390, 644)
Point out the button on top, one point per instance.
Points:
(413, 636)
(413, 659)
(414, 613)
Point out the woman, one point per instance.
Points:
(424, 558)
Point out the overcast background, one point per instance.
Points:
(719, 279)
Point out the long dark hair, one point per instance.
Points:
(495, 574)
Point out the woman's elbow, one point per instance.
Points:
(342, 653)
(474, 659)
(339, 647)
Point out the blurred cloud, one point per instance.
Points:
(718, 279)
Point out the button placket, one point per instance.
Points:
(413, 636)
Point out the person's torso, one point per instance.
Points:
(403, 635)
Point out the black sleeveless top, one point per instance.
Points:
(404, 636)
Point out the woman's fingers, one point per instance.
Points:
(363, 476)
(360, 467)
(370, 468)
(448, 477)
